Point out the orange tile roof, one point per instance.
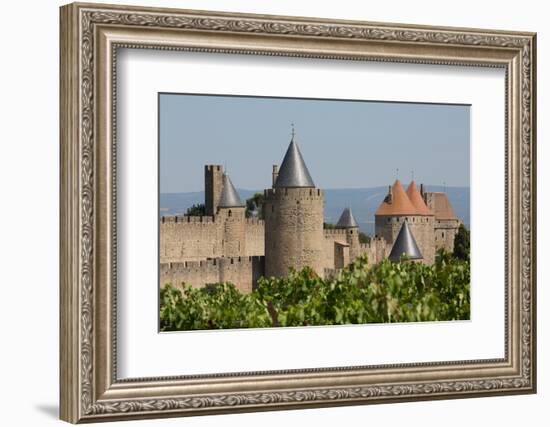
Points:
(399, 204)
(442, 207)
(417, 201)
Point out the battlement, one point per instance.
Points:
(211, 168)
(209, 263)
(190, 219)
(447, 223)
(375, 242)
(293, 193)
(243, 272)
(334, 232)
(401, 218)
(255, 221)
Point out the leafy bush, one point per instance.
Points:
(198, 209)
(386, 292)
(258, 200)
(363, 237)
(461, 248)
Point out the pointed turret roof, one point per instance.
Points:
(229, 197)
(293, 171)
(405, 244)
(346, 220)
(442, 206)
(416, 200)
(396, 203)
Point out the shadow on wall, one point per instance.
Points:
(51, 410)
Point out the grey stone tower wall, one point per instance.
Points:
(423, 231)
(213, 184)
(233, 231)
(445, 231)
(352, 239)
(421, 226)
(293, 230)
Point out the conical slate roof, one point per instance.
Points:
(405, 244)
(399, 203)
(346, 220)
(416, 200)
(293, 171)
(229, 197)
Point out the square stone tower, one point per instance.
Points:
(213, 185)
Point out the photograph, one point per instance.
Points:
(297, 212)
(279, 209)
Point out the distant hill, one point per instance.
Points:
(362, 201)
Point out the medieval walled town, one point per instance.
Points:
(231, 243)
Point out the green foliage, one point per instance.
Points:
(364, 238)
(196, 210)
(328, 226)
(462, 243)
(257, 198)
(386, 292)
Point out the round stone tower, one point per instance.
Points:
(231, 217)
(348, 223)
(293, 214)
(422, 225)
(400, 206)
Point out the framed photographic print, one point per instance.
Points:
(266, 212)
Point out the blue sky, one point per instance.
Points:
(346, 144)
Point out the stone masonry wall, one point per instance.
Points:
(193, 238)
(331, 237)
(445, 231)
(254, 236)
(213, 184)
(293, 230)
(376, 250)
(232, 222)
(243, 272)
(189, 238)
(422, 228)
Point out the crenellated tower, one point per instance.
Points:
(231, 214)
(423, 224)
(213, 184)
(293, 214)
(399, 207)
(348, 223)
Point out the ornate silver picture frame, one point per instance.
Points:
(91, 36)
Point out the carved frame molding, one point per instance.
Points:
(90, 36)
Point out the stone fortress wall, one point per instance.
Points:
(388, 228)
(376, 250)
(446, 223)
(243, 272)
(195, 238)
(226, 245)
